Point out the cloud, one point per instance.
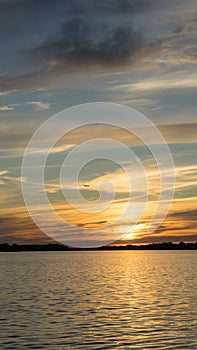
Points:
(179, 133)
(56, 149)
(173, 133)
(6, 108)
(75, 7)
(88, 36)
(190, 215)
(154, 84)
(85, 43)
(159, 239)
(5, 93)
(8, 178)
(21, 229)
(180, 46)
(32, 68)
(14, 139)
(3, 172)
(39, 106)
(91, 224)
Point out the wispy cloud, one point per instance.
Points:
(7, 108)
(56, 149)
(39, 106)
(3, 172)
(5, 93)
(171, 81)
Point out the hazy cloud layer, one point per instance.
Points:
(19, 137)
(16, 229)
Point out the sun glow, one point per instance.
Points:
(131, 232)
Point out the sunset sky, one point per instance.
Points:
(139, 53)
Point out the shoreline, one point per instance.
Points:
(6, 247)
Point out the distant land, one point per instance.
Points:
(6, 247)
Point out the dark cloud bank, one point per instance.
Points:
(65, 36)
(82, 43)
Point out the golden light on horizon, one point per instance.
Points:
(131, 232)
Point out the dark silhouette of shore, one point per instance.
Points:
(6, 247)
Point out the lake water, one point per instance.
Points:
(99, 300)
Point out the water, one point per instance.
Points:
(99, 300)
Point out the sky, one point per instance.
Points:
(138, 53)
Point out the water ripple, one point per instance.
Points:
(98, 300)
